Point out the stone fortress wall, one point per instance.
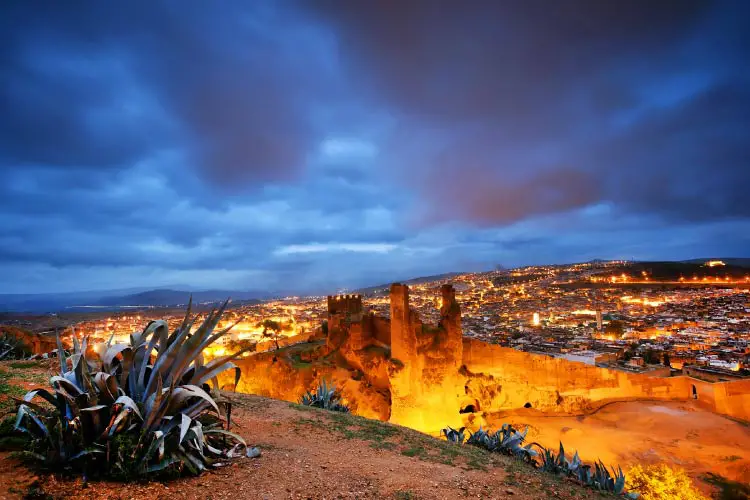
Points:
(428, 376)
(554, 385)
(726, 398)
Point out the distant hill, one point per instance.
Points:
(168, 297)
(730, 261)
(672, 271)
(104, 299)
(412, 281)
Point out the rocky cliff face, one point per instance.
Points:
(283, 375)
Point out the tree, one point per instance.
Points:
(616, 328)
(274, 328)
(661, 482)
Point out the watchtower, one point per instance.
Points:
(345, 304)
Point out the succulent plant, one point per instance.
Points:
(324, 396)
(138, 408)
(479, 438)
(453, 435)
(507, 440)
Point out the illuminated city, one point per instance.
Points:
(375, 249)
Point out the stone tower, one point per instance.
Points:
(424, 377)
(450, 321)
(345, 326)
(403, 339)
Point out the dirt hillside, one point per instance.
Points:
(306, 453)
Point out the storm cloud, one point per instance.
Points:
(309, 146)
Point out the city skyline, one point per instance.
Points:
(313, 146)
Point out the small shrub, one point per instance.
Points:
(661, 482)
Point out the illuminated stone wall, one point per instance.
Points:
(426, 385)
(381, 329)
(728, 398)
(34, 342)
(503, 379)
(431, 373)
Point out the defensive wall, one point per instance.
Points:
(428, 376)
(726, 398)
(502, 378)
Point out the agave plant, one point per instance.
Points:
(559, 464)
(479, 438)
(324, 396)
(571, 466)
(506, 440)
(453, 435)
(604, 481)
(12, 348)
(138, 408)
(510, 442)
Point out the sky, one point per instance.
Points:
(313, 146)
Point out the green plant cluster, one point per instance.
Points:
(324, 396)
(510, 442)
(139, 408)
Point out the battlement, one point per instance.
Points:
(342, 304)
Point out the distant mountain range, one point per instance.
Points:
(176, 298)
(114, 299)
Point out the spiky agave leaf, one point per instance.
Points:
(619, 481)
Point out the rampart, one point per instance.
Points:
(727, 398)
(502, 379)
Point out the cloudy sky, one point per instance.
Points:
(315, 145)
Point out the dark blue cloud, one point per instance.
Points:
(316, 145)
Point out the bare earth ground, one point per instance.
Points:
(677, 433)
(308, 453)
